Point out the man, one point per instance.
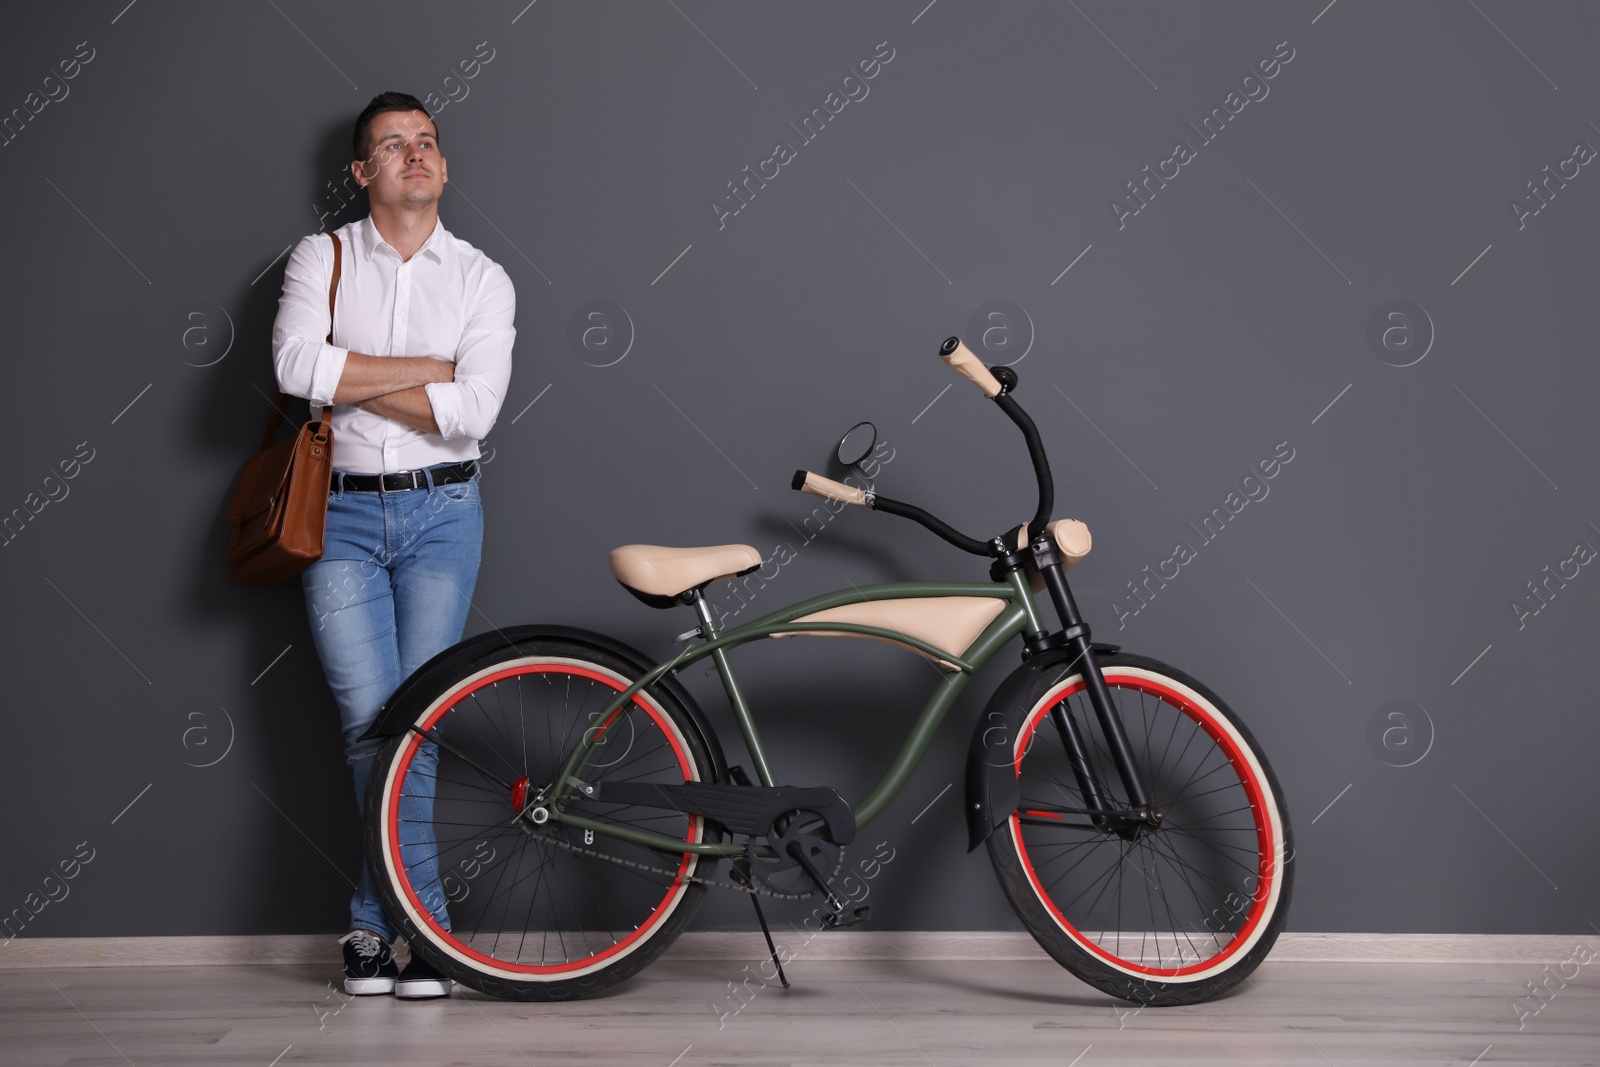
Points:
(423, 323)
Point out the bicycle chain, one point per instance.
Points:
(752, 888)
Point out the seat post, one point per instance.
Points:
(708, 623)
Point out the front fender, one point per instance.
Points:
(399, 709)
(992, 788)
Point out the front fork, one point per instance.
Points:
(1075, 638)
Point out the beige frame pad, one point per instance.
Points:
(951, 623)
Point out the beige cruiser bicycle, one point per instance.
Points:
(550, 806)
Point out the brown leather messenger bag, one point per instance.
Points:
(279, 506)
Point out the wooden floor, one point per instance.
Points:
(682, 1014)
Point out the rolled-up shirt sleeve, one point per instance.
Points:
(305, 364)
(468, 406)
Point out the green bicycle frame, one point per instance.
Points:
(1019, 614)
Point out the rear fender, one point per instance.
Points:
(402, 708)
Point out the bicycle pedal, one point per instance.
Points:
(833, 920)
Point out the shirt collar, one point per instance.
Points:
(437, 244)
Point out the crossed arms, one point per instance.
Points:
(393, 386)
(427, 393)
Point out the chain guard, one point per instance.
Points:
(769, 818)
(757, 886)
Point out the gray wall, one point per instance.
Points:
(150, 206)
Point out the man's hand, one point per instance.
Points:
(367, 377)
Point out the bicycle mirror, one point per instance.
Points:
(856, 444)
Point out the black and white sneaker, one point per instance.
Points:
(419, 980)
(368, 966)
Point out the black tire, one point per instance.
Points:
(1177, 915)
(523, 918)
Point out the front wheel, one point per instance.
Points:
(489, 898)
(1173, 910)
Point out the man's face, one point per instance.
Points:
(405, 169)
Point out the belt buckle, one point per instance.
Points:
(383, 486)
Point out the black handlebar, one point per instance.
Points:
(1006, 378)
(1041, 469)
(1041, 462)
(933, 523)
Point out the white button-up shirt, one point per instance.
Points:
(448, 301)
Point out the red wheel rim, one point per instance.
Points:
(1266, 867)
(643, 930)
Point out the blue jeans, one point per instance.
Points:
(392, 589)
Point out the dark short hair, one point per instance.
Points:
(381, 103)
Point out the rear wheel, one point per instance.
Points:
(513, 909)
(1171, 913)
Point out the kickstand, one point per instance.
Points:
(741, 875)
(768, 935)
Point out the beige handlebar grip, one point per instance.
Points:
(1071, 537)
(817, 485)
(961, 359)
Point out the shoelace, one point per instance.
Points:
(366, 945)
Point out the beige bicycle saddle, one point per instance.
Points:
(671, 572)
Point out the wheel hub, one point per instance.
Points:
(1136, 825)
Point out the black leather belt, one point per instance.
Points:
(400, 481)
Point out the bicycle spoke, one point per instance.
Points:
(530, 901)
(505, 743)
(1155, 853)
(1145, 894)
(442, 743)
(1217, 848)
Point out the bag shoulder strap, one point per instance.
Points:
(333, 284)
(282, 397)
